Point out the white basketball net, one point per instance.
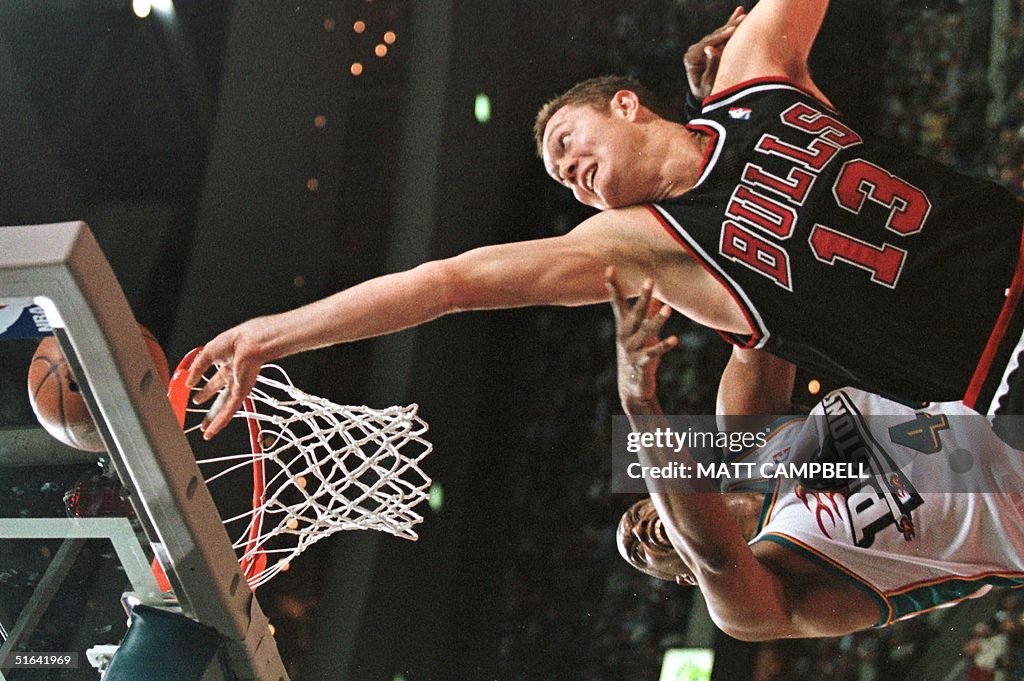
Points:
(327, 468)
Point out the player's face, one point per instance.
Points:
(644, 545)
(596, 154)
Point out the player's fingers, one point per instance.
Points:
(646, 332)
(631, 328)
(200, 363)
(632, 324)
(618, 300)
(655, 320)
(211, 387)
(720, 36)
(211, 414)
(229, 401)
(221, 412)
(638, 312)
(645, 356)
(710, 64)
(661, 347)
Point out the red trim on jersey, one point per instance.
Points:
(709, 150)
(733, 338)
(998, 331)
(763, 80)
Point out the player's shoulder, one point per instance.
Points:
(867, 403)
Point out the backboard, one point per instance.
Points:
(61, 268)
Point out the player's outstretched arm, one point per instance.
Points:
(563, 270)
(774, 39)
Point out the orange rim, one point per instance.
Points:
(253, 561)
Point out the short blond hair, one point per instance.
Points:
(596, 93)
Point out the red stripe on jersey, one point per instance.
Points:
(734, 339)
(998, 331)
(709, 150)
(763, 80)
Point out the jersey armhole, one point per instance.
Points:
(885, 610)
(758, 336)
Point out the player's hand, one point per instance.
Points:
(237, 357)
(638, 349)
(702, 58)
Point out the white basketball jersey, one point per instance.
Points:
(939, 520)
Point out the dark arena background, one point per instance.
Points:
(241, 158)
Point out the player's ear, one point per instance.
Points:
(626, 104)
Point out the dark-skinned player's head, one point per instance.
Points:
(643, 544)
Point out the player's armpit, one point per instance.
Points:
(807, 599)
(749, 602)
(770, 592)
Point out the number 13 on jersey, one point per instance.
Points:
(758, 225)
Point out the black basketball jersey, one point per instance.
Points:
(849, 254)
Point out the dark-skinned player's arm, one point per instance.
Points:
(754, 383)
(745, 599)
(701, 61)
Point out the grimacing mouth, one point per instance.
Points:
(660, 537)
(648, 531)
(654, 536)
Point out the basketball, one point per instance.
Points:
(57, 400)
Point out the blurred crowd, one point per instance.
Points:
(995, 652)
(569, 598)
(1004, 159)
(884, 655)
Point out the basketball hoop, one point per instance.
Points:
(317, 468)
